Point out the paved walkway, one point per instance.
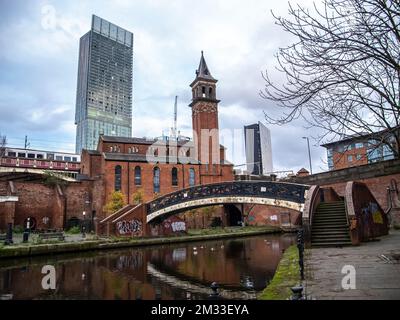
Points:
(377, 276)
(17, 237)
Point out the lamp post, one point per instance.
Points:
(84, 223)
(309, 152)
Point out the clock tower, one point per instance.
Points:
(205, 119)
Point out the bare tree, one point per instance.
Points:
(3, 143)
(342, 73)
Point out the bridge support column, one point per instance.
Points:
(145, 225)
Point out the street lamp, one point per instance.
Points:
(309, 152)
(84, 222)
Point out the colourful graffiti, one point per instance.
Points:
(372, 211)
(174, 224)
(129, 227)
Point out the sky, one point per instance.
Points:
(39, 43)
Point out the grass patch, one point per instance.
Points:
(287, 275)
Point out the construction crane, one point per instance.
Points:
(174, 129)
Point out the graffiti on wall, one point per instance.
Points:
(372, 211)
(174, 225)
(133, 226)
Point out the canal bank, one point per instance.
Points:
(58, 247)
(287, 275)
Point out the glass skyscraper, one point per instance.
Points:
(104, 91)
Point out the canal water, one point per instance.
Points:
(242, 267)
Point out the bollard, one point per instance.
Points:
(297, 293)
(215, 294)
(25, 236)
(9, 235)
(158, 294)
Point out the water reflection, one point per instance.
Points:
(242, 267)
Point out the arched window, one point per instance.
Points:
(156, 180)
(210, 92)
(117, 185)
(192, 180)
(138, 176)
(174, 176)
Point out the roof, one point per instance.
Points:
(119, 139)
(361, 136)
(147, 141)
(303, 170)
(203, 72)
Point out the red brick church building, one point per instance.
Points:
(162, 166)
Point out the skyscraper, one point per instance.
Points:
(258, 149)
(104, 91)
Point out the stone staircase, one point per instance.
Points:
(329, 226)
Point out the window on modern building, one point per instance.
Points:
(67, 159)
(174, 176)
(117, 184)
(74, 159)
(350, 158)
(359, 145)
(59, 158)
(192, 180)
(156, 180)
(138, 176)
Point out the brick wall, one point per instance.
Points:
(38, 200)
(261, 215)
(377, 177)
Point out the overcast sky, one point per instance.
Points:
(39, 58)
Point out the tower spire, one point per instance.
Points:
(203, 71)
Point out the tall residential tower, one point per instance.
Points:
(104, 92)
(258, 149)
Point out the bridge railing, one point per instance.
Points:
(263, 189)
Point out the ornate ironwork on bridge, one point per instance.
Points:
(235, 191)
